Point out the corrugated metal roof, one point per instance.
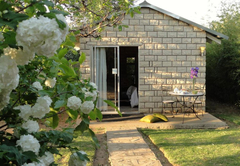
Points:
(212, 32)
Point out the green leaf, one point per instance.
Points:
(68, 42)
(29, 155)
(45, 92)
(73, 114)
(92, 115)
(98, 114)
(54, 120)
(82, 127)
(94, 138)
(64, 61)
(12, 151)
(82, 157)
(67, 70)
(136, 10)
(110, 103)
(15, 17)
(8, 23)
(30, 11)
(61, 24)
(50, 15)
(85, 119)
(82, 58)
(10, 37)
(48, 3)
(5, 5)
(40, 7)
(120, 28)
(62, 53)
(59, 103)
(59, 12)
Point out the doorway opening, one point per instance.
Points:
(115, 71)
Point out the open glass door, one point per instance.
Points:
(105, 73)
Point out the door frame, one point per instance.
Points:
(116, 51)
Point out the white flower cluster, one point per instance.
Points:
(25, 111)
(28, 143)
(37, 85)
(91, 94)
(21, 57)
(41, 35)
(74, 102)
(41, 107)
(76, 161)
(9, 79)
(93, 85)
(46, 159)
(50, 82)
(87, 107)
(31, 126)
(39, 110)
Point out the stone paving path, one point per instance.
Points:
(126, 146)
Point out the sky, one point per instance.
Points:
(199, 11)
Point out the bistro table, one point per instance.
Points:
(184, 103)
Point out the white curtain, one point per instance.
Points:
(100, 66)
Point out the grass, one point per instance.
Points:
(83, 142)
(203, 147)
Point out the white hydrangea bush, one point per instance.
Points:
(44, 89)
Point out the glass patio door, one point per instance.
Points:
(105, 73)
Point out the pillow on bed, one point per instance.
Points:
(161, 116)
(150, 119)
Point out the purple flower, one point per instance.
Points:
(194, 72)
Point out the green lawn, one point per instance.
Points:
(192, 147)
(84, 143)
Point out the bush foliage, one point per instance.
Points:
(223, 73)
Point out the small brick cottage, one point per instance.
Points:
(157, 47)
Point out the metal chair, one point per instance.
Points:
(166, 102)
